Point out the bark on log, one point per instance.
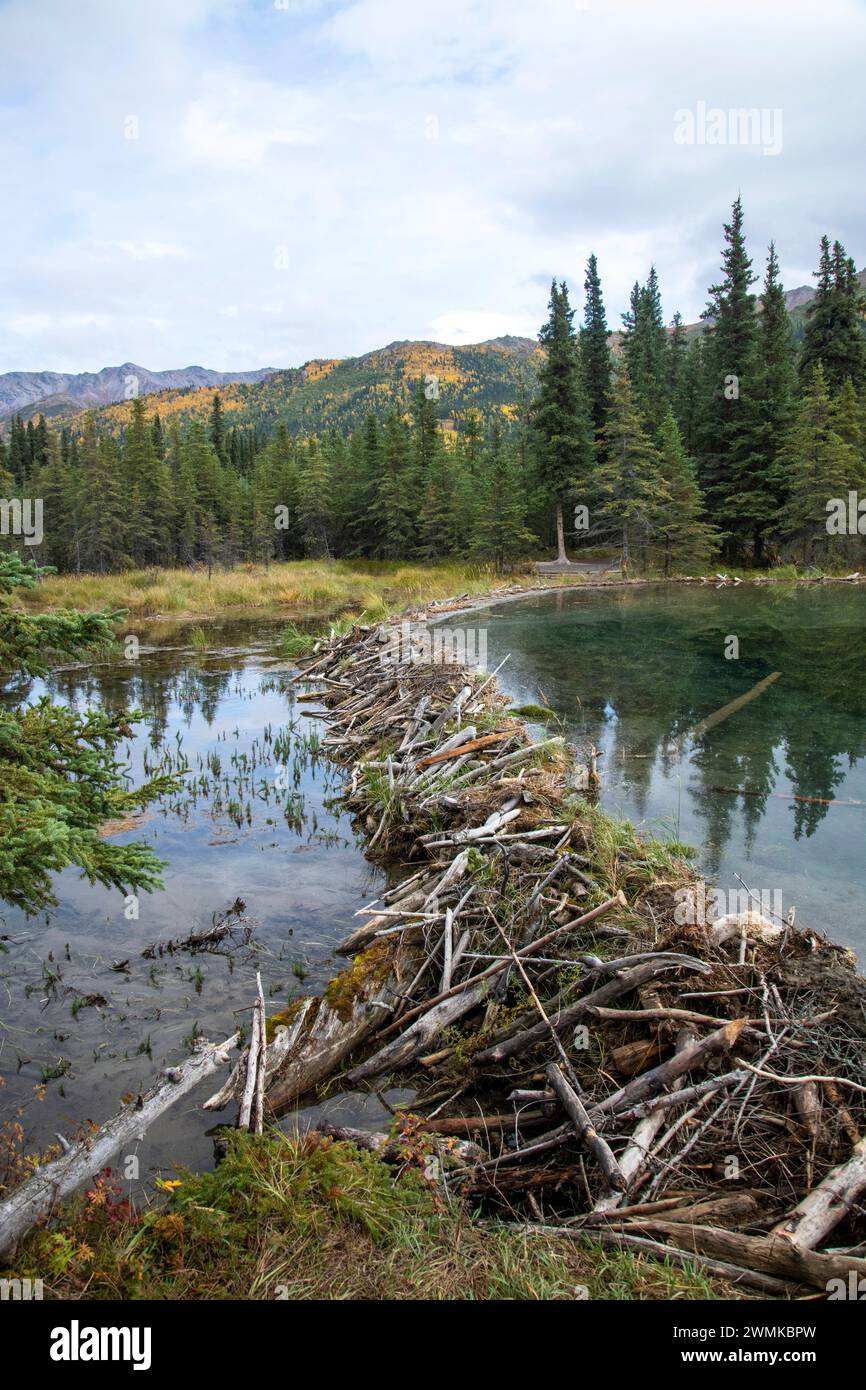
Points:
(721, 1269)
(772, 1254)
(584, 1129)
(420, 1034)
(650, 1083)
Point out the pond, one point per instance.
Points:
(776, 791)
(89, 1015)
(86, 1016)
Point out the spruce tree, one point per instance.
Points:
(728, 442)
(394, 509)
(59, 776)
(103, 512)
(758, 482)
(645, 348)
(217, 429)
(314, 501)
(633, 498)
(686, 540)
(834, 322)
(562, 432)
(595, 358)
(819, 467)
(502, 532)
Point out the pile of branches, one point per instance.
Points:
(583, 1062)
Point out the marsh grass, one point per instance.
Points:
(374, 589)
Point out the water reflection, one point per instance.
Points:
(633, 671)
(86, 1016)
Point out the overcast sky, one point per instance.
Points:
(245, 183)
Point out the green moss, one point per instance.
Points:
(369, 969)
(539, 713)
(286, 1017)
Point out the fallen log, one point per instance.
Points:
(772, 1254)
(348, 1012)
(720, 1269)
(650, 1083)
(420, 1034)
(36, 1198)
(831, 1201)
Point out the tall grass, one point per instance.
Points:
(374, 588)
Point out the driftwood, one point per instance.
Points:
(36, 1198)
(642, 1245)
(583, 1127)
(772, 1254)
(421, 1033)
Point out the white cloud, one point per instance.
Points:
(301, 138)
(475, 326)
(148, 250)
(238, 122)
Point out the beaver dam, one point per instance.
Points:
(583, 1062)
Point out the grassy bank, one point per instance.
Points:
(308, 586)
(315, 587)
(319, 1220)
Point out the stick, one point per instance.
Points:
(530, 950)
(584, 1128)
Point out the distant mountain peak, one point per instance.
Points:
(67, 393)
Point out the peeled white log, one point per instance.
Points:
(39, 1195)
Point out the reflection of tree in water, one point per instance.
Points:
(647, 666)
(152, 687)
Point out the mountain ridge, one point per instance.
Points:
(59, 393)
(323, 391)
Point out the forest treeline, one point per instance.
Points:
(675, 448)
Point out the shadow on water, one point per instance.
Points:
(634, 671)
(86, 1017)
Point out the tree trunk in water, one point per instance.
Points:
(560, 535)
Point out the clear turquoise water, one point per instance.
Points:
(634, 670)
